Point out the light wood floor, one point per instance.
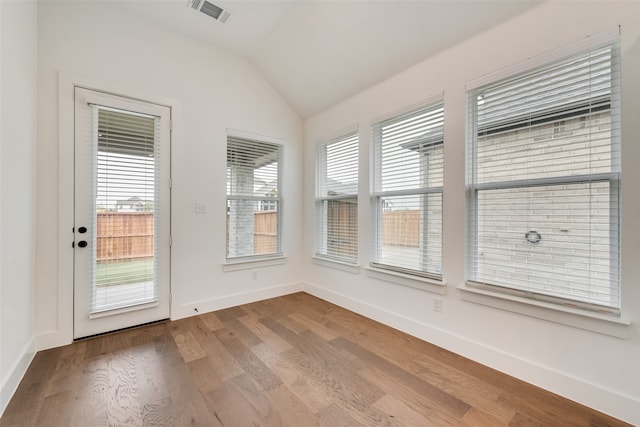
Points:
(289, 361)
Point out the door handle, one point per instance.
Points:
(82, 243)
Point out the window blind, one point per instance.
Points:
(543, 178)
(253, 198)
(337, 198)
(407, 192)
(125, 252)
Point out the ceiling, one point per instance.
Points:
(318, 53)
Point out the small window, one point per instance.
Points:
(253, 198)
(337, 199)
(407, 192)
(543, 178)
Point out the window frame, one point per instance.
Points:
(259, 201)
(401, 274)
(321, 245)
(480, 292)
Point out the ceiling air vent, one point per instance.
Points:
(216, 12)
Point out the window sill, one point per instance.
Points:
(416, 282)
(577, 318)
(245, 264)
(338, 265)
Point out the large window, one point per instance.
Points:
(253, 198)
(337, 199)
(543, 180)
(407, 192)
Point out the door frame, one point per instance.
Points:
(62, 331)
(87, 322)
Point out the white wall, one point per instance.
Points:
(18, 105)
(596, 369)
(215, 91)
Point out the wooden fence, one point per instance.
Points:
(265, 232)
(342, 226)
(124, 235)
(401, 228)
(129, 235)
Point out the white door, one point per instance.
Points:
(122, 212)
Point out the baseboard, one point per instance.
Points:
(226, 301)
(591, 395)
(16, 373)
(52, 339)
(57, 338)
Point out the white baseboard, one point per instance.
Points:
(57, 338)
(51, 339)
(16, 373)
(226, 301)
(591, 395)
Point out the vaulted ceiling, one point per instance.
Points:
(318, 53)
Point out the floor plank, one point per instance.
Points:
(289, 361)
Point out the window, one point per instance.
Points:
(543, 177)
(337, 199)
(127, 165)
(407, 192)
(253, 198)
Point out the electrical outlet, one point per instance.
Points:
(437, 305)
(254, 275)
(200, 208)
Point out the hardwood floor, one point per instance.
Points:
(289, 361)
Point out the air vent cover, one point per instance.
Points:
(210, 9)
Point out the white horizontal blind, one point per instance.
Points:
(543, 179)
(125, 252)
(337, 199)
(253, 198)
(407, 192)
